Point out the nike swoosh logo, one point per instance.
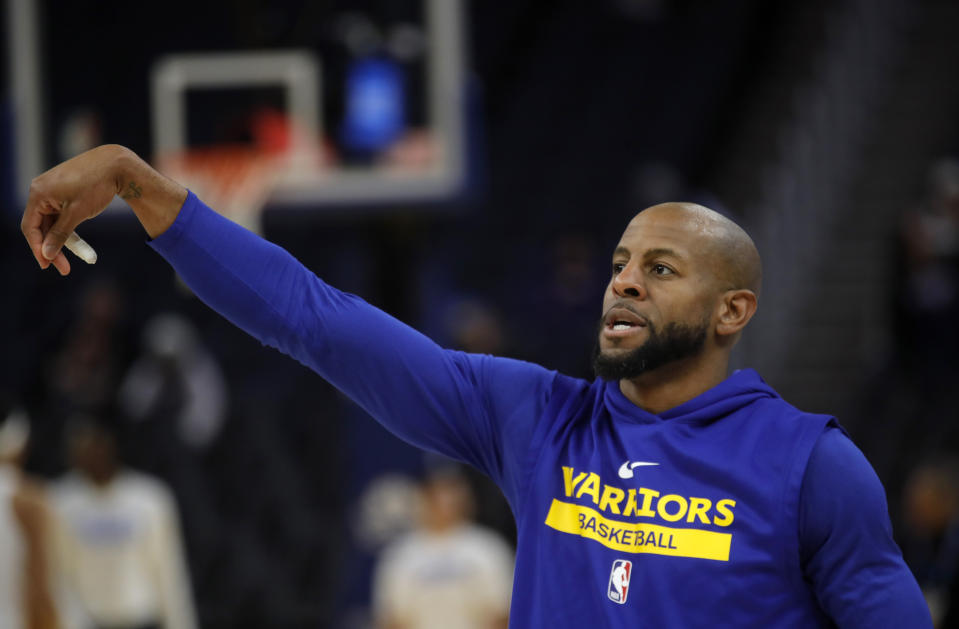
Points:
(626, 469)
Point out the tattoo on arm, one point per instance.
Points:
(133, 191)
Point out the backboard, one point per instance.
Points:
(359, 102)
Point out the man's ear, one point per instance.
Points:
(735, 310)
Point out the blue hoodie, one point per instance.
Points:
(733, 509)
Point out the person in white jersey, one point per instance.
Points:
(447, 574)
(120, 542)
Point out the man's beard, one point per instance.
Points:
(676, 342)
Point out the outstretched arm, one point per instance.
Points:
(478, 409)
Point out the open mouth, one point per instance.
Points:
(622, 321)
(619, 327)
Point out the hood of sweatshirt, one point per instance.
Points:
(740, 389)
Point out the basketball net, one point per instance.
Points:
(235, 180)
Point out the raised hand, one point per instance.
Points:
(63, 197)
(82, 187)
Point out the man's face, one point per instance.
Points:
(658, 305)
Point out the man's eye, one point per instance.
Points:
(618, 268)
(662, 269)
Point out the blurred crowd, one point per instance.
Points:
(101, 546)
(183, 476)
(921, 386)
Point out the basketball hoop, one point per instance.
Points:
(235, 180)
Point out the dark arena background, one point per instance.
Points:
(501, 150)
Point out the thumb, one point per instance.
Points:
(57, 235)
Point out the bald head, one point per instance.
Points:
(683, 285)
(726, 247)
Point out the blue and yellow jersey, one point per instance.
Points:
(733, 509)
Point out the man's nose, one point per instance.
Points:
(628, 283)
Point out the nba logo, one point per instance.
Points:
(619, 580)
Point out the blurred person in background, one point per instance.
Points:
(930, 298)
(176, 379)
(119, 540)
(26, 582)
(931, 540)
(720, 455)
(448, 573)
(84, 374)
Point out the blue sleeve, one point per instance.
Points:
(847, 551)
(475, 408)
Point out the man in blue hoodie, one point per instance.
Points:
(666, 493)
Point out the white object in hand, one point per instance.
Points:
(81, 249)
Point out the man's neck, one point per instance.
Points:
(673, 384)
